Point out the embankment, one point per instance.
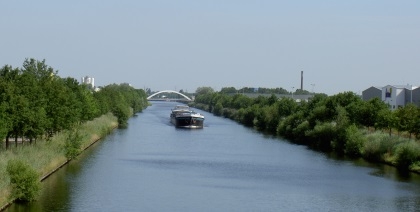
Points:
(49, 156)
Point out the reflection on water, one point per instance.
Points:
(153, 166)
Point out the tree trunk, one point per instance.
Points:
(7, 142)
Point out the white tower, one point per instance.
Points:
(88, 81)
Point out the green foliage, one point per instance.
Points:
(24, 181)
(229, 113)
(122, 100)
(240, 101)
(341, 123)
(322, 136)
(46, 156)
(286, 106)
(328, 123)
(218, 109)
(355, 141)
(4, 121)
(294, 127)
(35, 102)
(407, 118)
(386, 120)
(122, 112)
(228, 90)
(73, 144)
(407, 154)
(376, 146)
(246, 116)
(204, 90)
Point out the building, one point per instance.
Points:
(371, 93)
(90, 81)
(395, 96)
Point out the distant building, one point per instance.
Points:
(395, 96)
(90, 81)
(371, 93)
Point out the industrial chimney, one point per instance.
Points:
(301, 80)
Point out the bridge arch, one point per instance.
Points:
(169, 91)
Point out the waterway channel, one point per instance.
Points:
(152, 166)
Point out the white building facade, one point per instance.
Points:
(89, 81)
(395, 96)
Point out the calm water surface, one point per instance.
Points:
(152, 166)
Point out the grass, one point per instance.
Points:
(46, 156)
(402, 152)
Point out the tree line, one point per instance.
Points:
(35, 102)
(341, 123)
(260, 90)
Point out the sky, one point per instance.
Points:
(340, 46)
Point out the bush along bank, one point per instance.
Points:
(342, 123)
(40, 160)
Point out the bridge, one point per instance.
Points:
(186, 98)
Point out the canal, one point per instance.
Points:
(152, 166)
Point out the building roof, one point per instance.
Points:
(409, 87)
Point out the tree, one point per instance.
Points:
(204, 90)
(63, 110)
(8, 88)
(19, 109)
(6, 93)
(354, 141)
(386, 119)
(341, 99)
(122, 100)
(286, 106)
(228, 90)
(240, 101)
(406, 117)
(341, 124)
(218, 109)
(39, 69)
(34, 120)
(368, 112)
(4, 121)
(416, 130)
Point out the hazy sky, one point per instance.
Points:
(169, 44)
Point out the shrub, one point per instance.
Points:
(73, 144)
(218, 109)
(372, 149)
(228, 113)
(246, 116)
(122, 112)
(24, 181)
(407, 154)
(300, 130)
(322, 135)
(354, 141)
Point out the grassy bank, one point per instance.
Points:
(47, 156)
(401, 152)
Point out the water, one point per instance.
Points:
(152, 166)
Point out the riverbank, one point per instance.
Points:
(49, 156)
(355, 142)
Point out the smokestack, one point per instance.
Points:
(301, 80)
